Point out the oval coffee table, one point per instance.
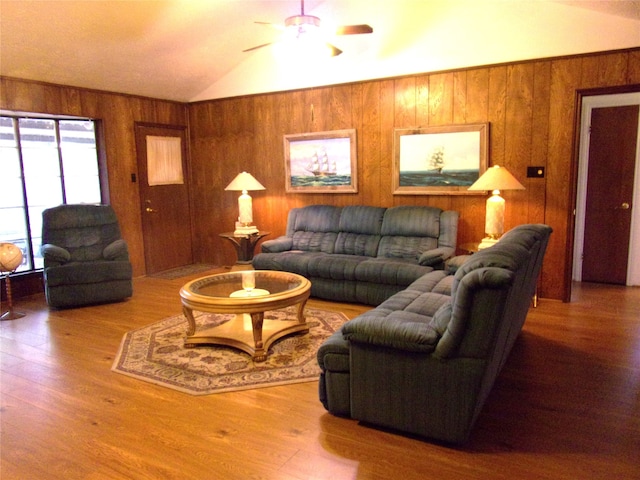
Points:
(248, 331)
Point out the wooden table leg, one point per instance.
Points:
(257, 320)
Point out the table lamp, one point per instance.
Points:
(244, 182)
(495, 179)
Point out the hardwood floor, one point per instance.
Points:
(566, 406)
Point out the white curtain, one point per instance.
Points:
(164, 161)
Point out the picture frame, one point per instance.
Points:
(321, 162)
(441, 160)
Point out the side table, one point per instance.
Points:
(244, 244)
(470, 247)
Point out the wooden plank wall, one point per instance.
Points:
(531, 107)
(118, 114)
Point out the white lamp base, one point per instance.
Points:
(487, 242)
(245, 230)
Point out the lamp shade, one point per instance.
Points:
(497, 178)
(244, 182)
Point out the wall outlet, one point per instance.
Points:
(535, 172)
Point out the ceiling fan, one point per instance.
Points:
(306, 26)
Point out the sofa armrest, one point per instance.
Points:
(280, 244)
(116, 250)
(435, 256)
(54, 255)
(400, 330)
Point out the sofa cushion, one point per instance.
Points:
(335, 267)
(357, 244)
(316, 228)
(393, 271)
(400, 329)
(507, 256)
(412, 221)
(493, 284)
(333, 354)
(405, 247)
(408, 231)
(83, 230)
(76, 273)
(295, 261)
(359, 230)
(438, 279)
(362, 219)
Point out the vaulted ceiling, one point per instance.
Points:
(190, 50)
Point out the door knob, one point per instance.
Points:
(149, 210)
(624, 206)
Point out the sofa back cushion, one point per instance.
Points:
(83, 230)
(316, 228)
(359, 230)
(491, 294)
(408, 231)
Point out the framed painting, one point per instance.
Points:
(321, 162)
(443, 160)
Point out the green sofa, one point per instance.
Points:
(359, 253)
(424, 361)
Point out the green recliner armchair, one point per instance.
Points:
(86, 261)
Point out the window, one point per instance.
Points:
(44, 162)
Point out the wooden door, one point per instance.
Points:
(164, 196)
(612, 152)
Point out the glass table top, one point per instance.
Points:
(243, 284)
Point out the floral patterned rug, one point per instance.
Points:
(156, 354)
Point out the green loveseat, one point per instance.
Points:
(424, 361)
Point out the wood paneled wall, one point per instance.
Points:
(531, 107)
(118, 114)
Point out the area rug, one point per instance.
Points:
(156, 354)
(183, 271)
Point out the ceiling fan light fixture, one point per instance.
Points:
(303, 36)
(302, 20)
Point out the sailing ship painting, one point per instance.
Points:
(320, 162)
(436, 160)
(450, 159)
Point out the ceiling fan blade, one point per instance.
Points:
(273, 25)
(257, 47)
(353, 29)
(335, 51)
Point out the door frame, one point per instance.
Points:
(589, 102)
(184, 129)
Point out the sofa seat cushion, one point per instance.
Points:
(391, 271)
(78, 273)
(438, 281)
(295, 261)
(334, 267)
